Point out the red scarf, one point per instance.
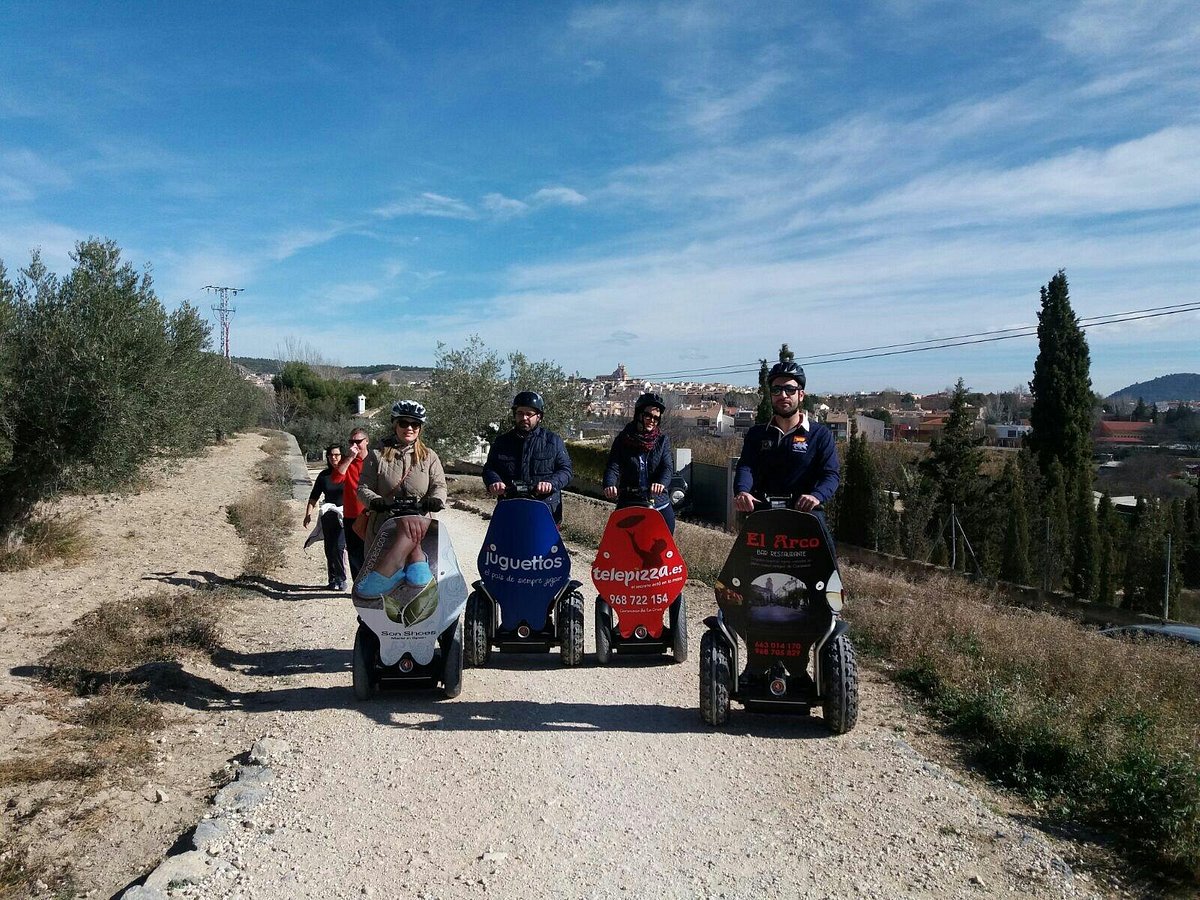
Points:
(638, 441)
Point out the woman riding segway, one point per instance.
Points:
(640, 461)
(410, 593)
(404, 469)
(639, 471)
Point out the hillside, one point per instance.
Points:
(383, 371)
(1179, 386)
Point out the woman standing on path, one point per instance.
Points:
(331, 518)
(346, 473)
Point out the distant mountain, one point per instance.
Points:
(383, 371)
(1180, 386)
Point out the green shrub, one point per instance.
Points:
(588, 461)
(96, 377)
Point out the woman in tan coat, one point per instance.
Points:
(404, 469)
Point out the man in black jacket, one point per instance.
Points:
(790, 455)
(529, 453)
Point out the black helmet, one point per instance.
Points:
(408, 409)
(786, 369)
(649, 399)
(532, 400)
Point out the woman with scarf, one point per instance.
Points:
(404, 469)
(640, 463)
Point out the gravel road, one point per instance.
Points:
(540, 781)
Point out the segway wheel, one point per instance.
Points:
(570, 628)
(477, 646)
(716, 680)
(452, 661)
(603, 633)
(363, 664)
(677, 618)
(839, 689)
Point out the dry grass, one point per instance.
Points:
(46, 538)
(107, 644)
(262, 521)
(466, 487)
(104, 661)
(1096, 730)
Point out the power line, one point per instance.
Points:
(960, 340)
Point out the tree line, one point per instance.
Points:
(1034, 519)
(97, 377)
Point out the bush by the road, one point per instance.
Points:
(96, 377)
(1097, 730)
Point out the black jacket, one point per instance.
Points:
(630, 469)
(537, 456)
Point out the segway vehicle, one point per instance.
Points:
(639, 573)
(525, 600)
(780, 594)
(412, 634)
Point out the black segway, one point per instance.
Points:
(780, 595)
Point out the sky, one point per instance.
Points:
(674, 186)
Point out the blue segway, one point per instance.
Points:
(780, 594)
(525, 600)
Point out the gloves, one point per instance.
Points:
(379, 504)
(433, 504)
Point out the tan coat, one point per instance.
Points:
(391, 474)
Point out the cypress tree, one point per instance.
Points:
(955, 456)
(1105, 563)
(1054, 544)
(859, 508)
(1084, 561)
(1191, 548)
(1014, 559)
(764, 411)
(1061, 385)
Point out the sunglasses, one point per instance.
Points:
(407, 423)
(652, 417)
(788, 389)
(359, 441)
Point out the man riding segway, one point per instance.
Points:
(779, 593)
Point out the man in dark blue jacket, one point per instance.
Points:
(529, 453)
(790, 455)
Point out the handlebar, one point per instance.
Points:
(411, 506)
(520, 489)
(636, 496)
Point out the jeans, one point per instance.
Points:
(355, 548)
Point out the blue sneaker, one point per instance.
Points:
(418, 573)
(375, 585)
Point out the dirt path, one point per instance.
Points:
(537, 781)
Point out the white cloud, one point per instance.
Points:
(24, 174)
(591, 69)
(1157, 171)
(711, 110)
(563, 196)
(504, 207)
(55, 241)
(428, 204)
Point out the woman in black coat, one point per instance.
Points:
(640, 463)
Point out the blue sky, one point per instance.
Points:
(669, 185)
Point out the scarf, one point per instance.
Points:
(638, 441)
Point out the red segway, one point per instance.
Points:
(639, 572)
